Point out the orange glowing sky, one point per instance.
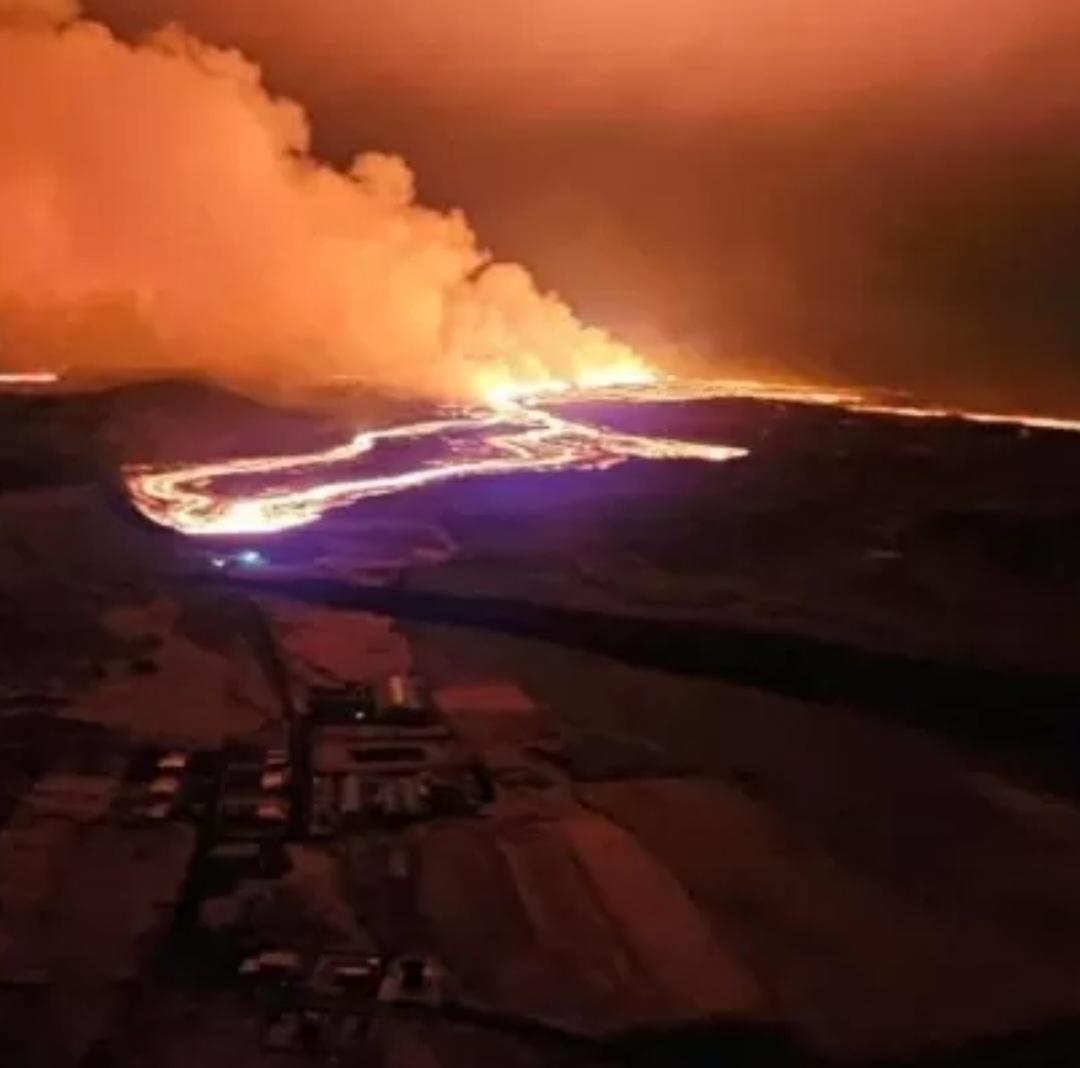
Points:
(882, 192)
(615, 56)
(161, 211)
(857, 191)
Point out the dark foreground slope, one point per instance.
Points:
(770, 699)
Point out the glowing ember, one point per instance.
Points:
(511, 432)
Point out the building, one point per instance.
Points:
(398, 700)
(341, 704)
(339, 750)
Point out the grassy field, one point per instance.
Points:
(880, 893)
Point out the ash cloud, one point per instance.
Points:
(869, 191)
(160, 210)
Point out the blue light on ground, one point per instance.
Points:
(244, 558)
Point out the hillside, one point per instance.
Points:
(63, 438)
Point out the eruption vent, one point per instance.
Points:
(159, 210)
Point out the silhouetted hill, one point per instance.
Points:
(56, 438)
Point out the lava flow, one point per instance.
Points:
(511, 433)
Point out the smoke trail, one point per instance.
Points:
(160, 210)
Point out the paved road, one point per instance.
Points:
(268, 650)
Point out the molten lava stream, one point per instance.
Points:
(511, 433)
(505, 437)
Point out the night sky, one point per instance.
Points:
(884, 192)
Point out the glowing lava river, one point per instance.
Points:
(515, 431)
(505, 436)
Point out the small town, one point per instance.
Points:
(195, 837)
(377, 846)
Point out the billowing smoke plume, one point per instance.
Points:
(879, 192)
(160, 210)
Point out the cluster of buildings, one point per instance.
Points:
(163, 835)
(324, 1002)
(256, 793)
(380, 754)
(361, 756)
(162, 784)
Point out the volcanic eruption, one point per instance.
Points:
(161, 211)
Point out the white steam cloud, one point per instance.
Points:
(159, 210)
